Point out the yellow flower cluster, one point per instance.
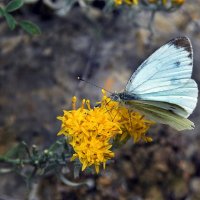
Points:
(92, 131)
(128, 2)
(136, 2)
(173, 2)
(178, 2)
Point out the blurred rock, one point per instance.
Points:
(180, 188)
(9, 44)
(195, 185)
(154, 193)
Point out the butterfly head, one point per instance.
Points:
(115, 96)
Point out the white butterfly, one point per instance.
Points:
(162, 88)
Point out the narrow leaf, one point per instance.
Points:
(57, 145)
(30, 27)
(2, 12)
(14, 5)
(14, 152)
(10, 20)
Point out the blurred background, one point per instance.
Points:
(104, 45)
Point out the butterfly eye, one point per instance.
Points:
(115, 97)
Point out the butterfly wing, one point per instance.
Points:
(166, 106)
(165, 78)
(161, 115)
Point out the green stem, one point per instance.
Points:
(14, 161)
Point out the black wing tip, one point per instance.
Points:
(182, 42)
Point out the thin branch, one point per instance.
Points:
(151, 25)
(66, 181)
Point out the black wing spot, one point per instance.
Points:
(177, 64)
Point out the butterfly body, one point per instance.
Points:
(123, 96)
(162, 87)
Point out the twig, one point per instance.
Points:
(88, 183)
(150, 25)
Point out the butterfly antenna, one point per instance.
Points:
(80, 79)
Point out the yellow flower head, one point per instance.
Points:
(128, 2)
(178, 2)
(153, 1)
(92, 131)
(162, 2)
(118, 2)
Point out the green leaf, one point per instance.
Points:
(50, 167)
(14, 152)
(2, 12)
(30, 27)
(14, 5)
(10, 20)
(57, 145)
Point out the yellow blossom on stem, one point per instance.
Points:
(178, 2)
(131, 2)
(164, 2)
(93, 152)
(92, 131)
(118, 2)
(128, 2)
(131, 123)
(152, 1)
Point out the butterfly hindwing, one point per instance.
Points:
(162, 115)
(173, 108)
